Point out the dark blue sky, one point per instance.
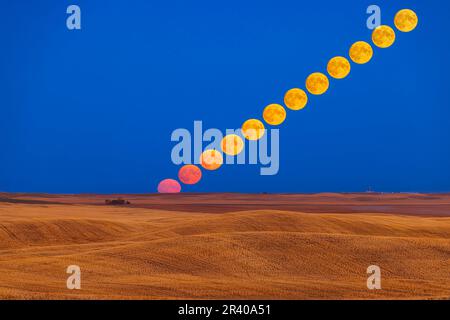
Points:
(93, 110)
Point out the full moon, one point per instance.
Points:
(338, 67)
(406, 20)
(189, 174)
(295, 99)
(253, 129)
(317, 83)
(232, 144)
(169, 186)
(361, 52)
(383, 36)
(211, 159)
(274, 114)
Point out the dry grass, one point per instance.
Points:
(225, 250)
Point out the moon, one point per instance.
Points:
(295, 99)
(169, 186)
(211, 159)
(317, 83)
(232, 144)
(338, 67)
(406, 20)
(361, 52)
(189, 174)
(253, 129)
(383, 36)
(274, 114)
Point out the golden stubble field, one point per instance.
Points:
(225, 246)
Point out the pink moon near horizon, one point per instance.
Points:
(169, 186)
(189, 174)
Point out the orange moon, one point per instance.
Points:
(169, 186)
(274, 114)
(211, 159)
(406, 20)
(383, 36)
(338, 67)
(189, 174)
(253, 129)
(295, 99)
(232, 144)
(317, 83)
(361, 52)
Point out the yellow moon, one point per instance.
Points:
(317, 83)
(361, 52)
(383, 36)
(232, 144)
(406, 20)
(338, 67)
(274, 114)
(253, 129)
(211, 159)
(295, 99)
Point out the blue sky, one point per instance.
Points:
(93, 110)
